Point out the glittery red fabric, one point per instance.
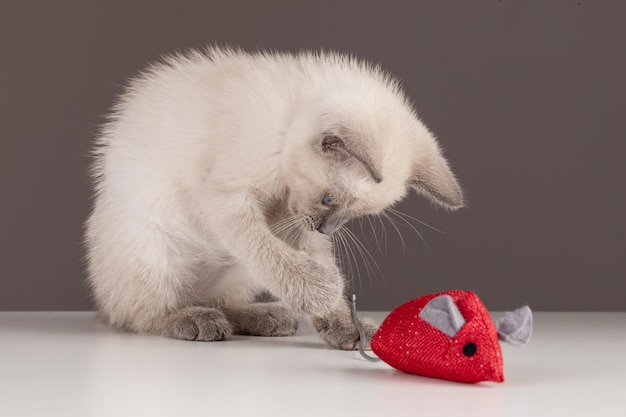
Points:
(410, 344)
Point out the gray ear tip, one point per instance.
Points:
(516, 326)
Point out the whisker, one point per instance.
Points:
(348, 261)
(364, 251)
(351, 252)
(282, 221)
(415, 230)
(337, 251)
(304, 243)
(346, 257)
(395, 226)
(284, 224)
(372, 225)
(294, 234)
(384, 231)
(341, 256)
(289, 230)
(402, 214)
(351, 256)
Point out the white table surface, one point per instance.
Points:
(62, 364)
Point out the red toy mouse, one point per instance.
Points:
(448, 335)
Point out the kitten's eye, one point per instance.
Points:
(327, 200)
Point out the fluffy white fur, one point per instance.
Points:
(217, 174)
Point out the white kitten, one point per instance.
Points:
(221, 174)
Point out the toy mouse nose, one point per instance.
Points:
(497, 375)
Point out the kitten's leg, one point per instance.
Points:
(294, 276)
(337, 327)
(209, 320)
(233, 293)
(262, 319)
(151, 303)
(143, 285)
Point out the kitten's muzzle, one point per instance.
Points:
(324, 228)
(329, 225)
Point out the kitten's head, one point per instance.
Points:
(356, 151)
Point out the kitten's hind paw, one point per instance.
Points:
(197, 323)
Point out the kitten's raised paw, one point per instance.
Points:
(321, 288)
(197, 323)
(341, 333)
(263, 319)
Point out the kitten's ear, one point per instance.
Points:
(433, 178)
(340, 148)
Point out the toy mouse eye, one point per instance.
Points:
(469, 349)
(328, 200)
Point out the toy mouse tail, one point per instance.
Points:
(362, 336)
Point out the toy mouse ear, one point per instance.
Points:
(443, 315)
(516, 326)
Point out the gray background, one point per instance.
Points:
(528, 100)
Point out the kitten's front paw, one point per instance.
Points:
(341, 333)
(197, 323)
(263, 319)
